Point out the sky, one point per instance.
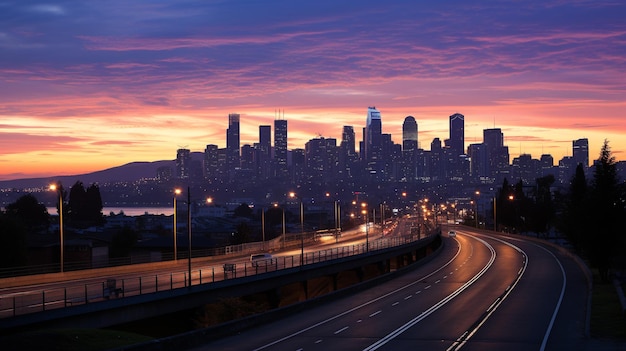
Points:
(88, 85)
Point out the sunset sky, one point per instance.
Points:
(88, 85)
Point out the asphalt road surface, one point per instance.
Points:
(482, 292)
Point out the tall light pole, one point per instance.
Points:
(365, 212)
(293, 195)
(263, 227)
(276, 205)
(177, 191)
(189, 233)
(477, 193)
(59, 190)
(495, 226)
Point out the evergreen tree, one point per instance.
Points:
(242, 234)
(604, 241)
(542, 211)
(575, 220)
(93, 205)
(28, 211)
(77, 204)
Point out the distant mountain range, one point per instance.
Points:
(126, 173)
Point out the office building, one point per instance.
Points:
(232, 142)
(457, 134)
(280, 148)
(580, 152)
(409, 134)
(183, 163)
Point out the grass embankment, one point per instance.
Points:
(607, 320)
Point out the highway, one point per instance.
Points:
(482, 292)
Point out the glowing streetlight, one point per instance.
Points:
(177, 191)
(477, 193)
(58, 189)
(293, 195)
(365, 212)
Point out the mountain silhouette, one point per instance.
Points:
(125, 173)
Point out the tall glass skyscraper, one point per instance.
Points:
(580, 152)
(232, 142)
(280, 147)
(372, 138)
(409, 134)
(457, 134)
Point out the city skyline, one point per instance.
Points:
(95, 85)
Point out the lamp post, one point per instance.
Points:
(364, 211)
(177, 191)
(283, 244)
(263, 228)
(495, 225)
(293, 195)
(59, 190)
(476, 207)
(189, 233)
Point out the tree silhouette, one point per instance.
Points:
(85, 205)
(575, 220)
(28, 211)
(242, 234)
(606, 239)
(13, 238)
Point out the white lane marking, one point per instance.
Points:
(395, 303)
(419, 318)
(428, 287)
(408, 297)
(340, 330)
(375, 313)
(318, 341)
(418, 281)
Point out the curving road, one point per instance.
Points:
(482, 292)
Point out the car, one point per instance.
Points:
(451, 233)
(262, 259)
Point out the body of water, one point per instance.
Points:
(129, 211)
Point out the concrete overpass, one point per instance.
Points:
(279, 288)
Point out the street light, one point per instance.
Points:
(177, 191)
(293, 195)
(59, 190)
(476, 207)
(276, 205)
(364, 211)
(189, 233)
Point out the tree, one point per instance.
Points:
(542, 211)
(575, 220)
(13, 236)
(85, 205)
(243, 210)
(28, 211)
(605, 240)
(242, 234)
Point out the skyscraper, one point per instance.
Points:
(580, 152)
(232, 142)
(372, 137)
(211, 163)
(347, 152)
(263, 154)
(183, 163)
(497, 153)
(409, 134)
(457, 134)
(280, 147)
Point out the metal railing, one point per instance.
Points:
(46, 299)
